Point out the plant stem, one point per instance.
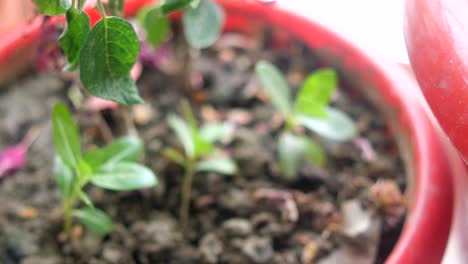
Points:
(186, 190)
(101, 9)
(184, 56)
(73, 4)
(67, 217)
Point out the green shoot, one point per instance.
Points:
(199, 153)
(310, 109)
(112, 167)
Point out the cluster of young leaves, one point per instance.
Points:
(103, 54)
(198, 144)
(112, 167)
(310, 109)
(202, 21)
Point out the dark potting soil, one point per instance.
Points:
(340, 213)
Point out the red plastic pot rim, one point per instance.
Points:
(426, 232)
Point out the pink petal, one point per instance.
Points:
(12, 158)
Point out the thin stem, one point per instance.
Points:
(101, 9)
(67, 217)
(73, 4)
(186, 190)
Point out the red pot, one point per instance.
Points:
(436, 33)
(425, 235)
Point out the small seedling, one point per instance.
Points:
(112, 167)
(310, 109)
(202, 20)
(199, 155)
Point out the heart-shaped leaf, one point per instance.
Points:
(74, 35)
(336, 126)
(219, 165)
(203, 24)
(156, 26)
(293, 149)
(123, 149)
(106, 59)
(94, 219)
(275, 86)
(52, 7)
(124, 176)
(315, 93)
(66, 136)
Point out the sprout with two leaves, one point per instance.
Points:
(199, 153)
(112, 167)
(310, 109)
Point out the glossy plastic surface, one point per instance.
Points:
(437, 41)
(425, 235)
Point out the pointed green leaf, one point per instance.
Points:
(66, 136)
(123, 149)
(94, 219)
(52, 7)
(315, 93)
(174, 155)
(274, 85)
(183, 133)
(203, 24)
(214, 132)
(74, 35)
(106, 59)
(85, 199)
(85, 172)
(124, 176)
(64, 177)
(156, 26)
(336, 126)
(219, 165)
(293, 149)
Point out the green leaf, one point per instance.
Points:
(84, 172)
(202, 147)
(85, 199)
(156, 26)
(275, 86)
(81, 4)
(315, 93)
(124, 176)
(74, 35)
(183, 133)
(292, 150)
(336, 126)
(123, 149)
(189, 116)
(66, 136)
(52, 7)
(170, 6)
(203, 25)
(94, 219)
(64, 177)
(174, 155)
(219, 165)
(106, 59)
(214, 132)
